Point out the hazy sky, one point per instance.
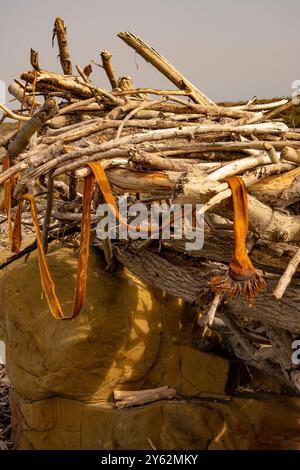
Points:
(230, 49)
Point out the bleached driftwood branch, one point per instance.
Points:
(125, 399)
(159, 62)
(287, 276)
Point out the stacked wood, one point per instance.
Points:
(167, 145)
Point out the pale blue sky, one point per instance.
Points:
(231, 49)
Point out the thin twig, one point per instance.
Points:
(152, 91)
(133, 112)
(213, 309)
(60, 31)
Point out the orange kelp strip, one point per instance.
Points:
(46, 279)
(242, 277)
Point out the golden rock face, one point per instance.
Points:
(127, 337)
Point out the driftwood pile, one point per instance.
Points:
(168, 145)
